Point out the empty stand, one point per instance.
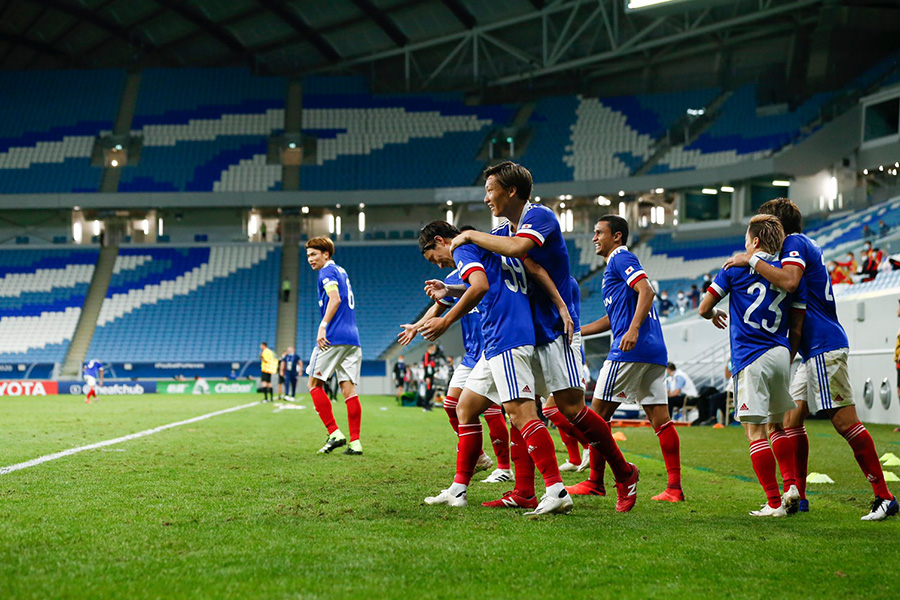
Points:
(41, 294)
(196, 303)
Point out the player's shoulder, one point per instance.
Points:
(538, 212)
(501, 229)
(452, 276)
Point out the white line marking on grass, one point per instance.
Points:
(125, 438)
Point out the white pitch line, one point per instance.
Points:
(133, 436)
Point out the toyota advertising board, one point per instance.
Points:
(19, 387)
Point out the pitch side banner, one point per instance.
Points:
(28, 388)
(215, 387)
(110, 388)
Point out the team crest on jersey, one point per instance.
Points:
(629, 270)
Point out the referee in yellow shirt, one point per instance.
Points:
(268, 366)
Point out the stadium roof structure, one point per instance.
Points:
(401, 44)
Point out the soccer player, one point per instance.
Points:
(533, 230)
(761, 352)
(337, 346)
(498, 286)
(268, 367)
(635, 370)
(92, 371)
(473, 341)
(822, 382)
(291, 365)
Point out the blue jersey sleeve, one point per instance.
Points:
(721, 285)
(329, 275)
(538, 225)
(798, 301)
(794, 252)
(451, 279)
(468, 260)
(629, 268)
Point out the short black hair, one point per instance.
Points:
(787, 212)
(264, 344)
(466, 228)
(433, 230)
(671, 366)
(616, 225)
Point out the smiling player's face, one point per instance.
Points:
(603, 239)
(495, 196)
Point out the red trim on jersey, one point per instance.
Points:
(714, 292)
(469, 272)
(789, 261)
(636, 279)
(531, 236)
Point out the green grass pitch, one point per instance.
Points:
(241, 506)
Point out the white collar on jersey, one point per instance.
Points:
(616, 251)
(330, 262)
(525, 210)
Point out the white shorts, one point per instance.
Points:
(823, 382)
(761, 389)
(557, 365)
(89, 381)
(632, 383)
(343, 360)
(505, 377)
(460, 375)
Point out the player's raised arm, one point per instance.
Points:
(539, 274)
(786, 277)
(513, 247)
(437, 326)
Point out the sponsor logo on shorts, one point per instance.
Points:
(743, 407)
(526, 389)
(318, 372)
(621, 395)
(838, 398)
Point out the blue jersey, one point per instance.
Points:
(291, 364)
(342, 330)
(92, 368)
(540, 225)
(822, 331)
(759, 312)
(473, 338)
(505, 312)
(623, 272)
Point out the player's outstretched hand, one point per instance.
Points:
(720, 318)
(407, 335)
(434, 328)
(738, 260)
(461, 239)
(436, 289)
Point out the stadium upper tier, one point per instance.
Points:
(48, 122)
(41, 295)
(211, 129)
(199, 303)
(205, 130)
(369, 141)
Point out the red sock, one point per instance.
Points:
(783, 449)
(499, 436)
(599, 435)
(598, 466)
(91, 394)
(467, 452)
(565, 432)
(542, 451)
(867, 457)
(323, 407)
(671, 451)
(764, 465)
(354, 417)
(800, 444)
(450, 408)
(518, 452)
